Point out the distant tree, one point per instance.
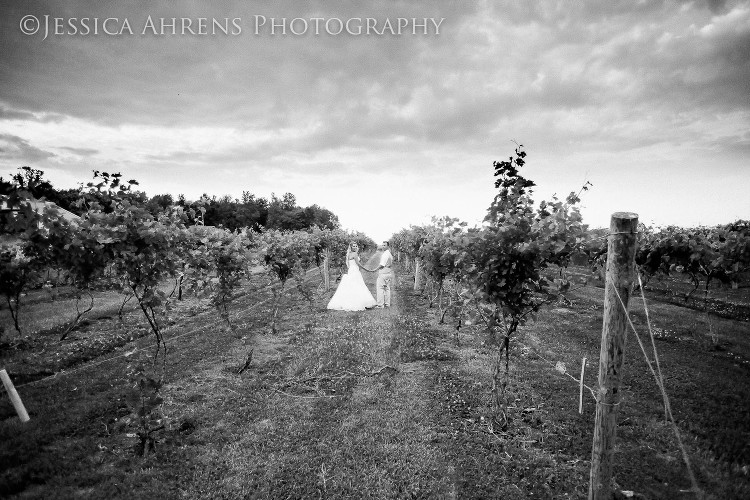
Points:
(67, 198)
(321, 217)
(221, 212)
(30, 180)
(33, 181)
(284, 214)
(159, 203)
(289, 201)
(255, 210)
(6, 187)
(286, 220)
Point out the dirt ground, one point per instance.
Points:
(374, 404)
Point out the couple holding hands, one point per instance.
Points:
(352, 293)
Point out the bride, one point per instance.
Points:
(352, 293)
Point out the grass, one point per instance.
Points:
(40, 316)
(318, 416)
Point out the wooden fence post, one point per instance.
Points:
(417, 268)
(14, 397)
(619, 279)
(326, 270)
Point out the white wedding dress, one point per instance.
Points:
(352, 293)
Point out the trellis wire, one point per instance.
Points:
(659, 383)
(554, 365)
(138, 349)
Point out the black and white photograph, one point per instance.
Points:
(375, 249)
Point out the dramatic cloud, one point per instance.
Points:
(14, 148)
(594, 90)
(79, 151)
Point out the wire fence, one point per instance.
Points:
(654, 366)
(93, 364)
(652, 362)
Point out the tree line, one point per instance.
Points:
(248, 211)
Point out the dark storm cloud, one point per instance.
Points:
(15, 148)
(717, 6)
(186, 79)
(9, 114)
(539, 67)
(13, 114)
(80, 151)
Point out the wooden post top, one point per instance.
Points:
(624, 222)
(624, 215)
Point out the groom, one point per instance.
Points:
(385, 276)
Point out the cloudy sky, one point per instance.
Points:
(648, 100)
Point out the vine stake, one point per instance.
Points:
(14, 397)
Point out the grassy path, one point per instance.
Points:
(320, 418)
(373, 404)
